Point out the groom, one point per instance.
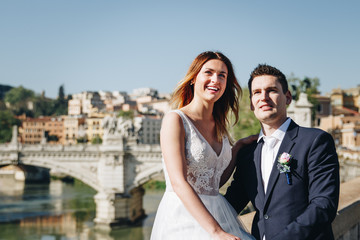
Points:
(291, 174)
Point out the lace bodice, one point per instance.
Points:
(204, 166)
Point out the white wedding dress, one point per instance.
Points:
(204, 170)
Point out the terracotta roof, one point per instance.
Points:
(345, 111)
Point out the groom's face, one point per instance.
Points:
(268, 101)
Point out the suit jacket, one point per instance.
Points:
(303, 209)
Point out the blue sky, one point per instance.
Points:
(123, 45)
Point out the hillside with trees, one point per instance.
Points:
(19, 101)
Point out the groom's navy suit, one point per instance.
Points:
(305, 208)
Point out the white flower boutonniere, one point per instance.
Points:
(284, 166)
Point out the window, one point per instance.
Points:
(320, 108)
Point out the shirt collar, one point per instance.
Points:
(279, 133)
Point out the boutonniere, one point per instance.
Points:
(284, 165)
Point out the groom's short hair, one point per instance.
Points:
(264, 69)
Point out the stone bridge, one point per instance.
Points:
(116, 169)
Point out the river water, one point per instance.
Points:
(62, 211)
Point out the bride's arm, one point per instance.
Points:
(172, 140)
(235, 149)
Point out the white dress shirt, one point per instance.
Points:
(270, 149)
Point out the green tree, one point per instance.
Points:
(307, 85)
(81, 140)
(61, 95)
(2, 105)
(61, 104)
(18, 98)
(96, 140)
(7, 121)
(3, 90)
(247, 124)
(126, 114)
(43, 106)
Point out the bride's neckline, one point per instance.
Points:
(200, 134)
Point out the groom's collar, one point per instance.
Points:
(279, 133)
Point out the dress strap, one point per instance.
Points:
(183, 117)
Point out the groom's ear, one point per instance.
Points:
(288, 97)
(251, 106)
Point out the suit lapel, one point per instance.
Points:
(286, 146)
(257, 159)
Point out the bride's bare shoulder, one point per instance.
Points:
(171, 119)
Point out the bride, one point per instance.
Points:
(197, 155)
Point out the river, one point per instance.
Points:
(62, 211)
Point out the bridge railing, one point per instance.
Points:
(346, 225)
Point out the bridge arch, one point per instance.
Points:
(147, 175)
(69, 170)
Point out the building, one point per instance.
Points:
(72, 129)
(348, 98)
(129, 106)
(55, 127)
(344, 129)
(154, 106)
(85, 103)
(74, 107)
(322, 108)
(35, 129)
(141, 92)
(120, 97)
(351, 134)
(32, 130)
(113, 101)
(93, 128)
(149, 126)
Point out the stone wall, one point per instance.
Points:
(346, 225)
(349, 164)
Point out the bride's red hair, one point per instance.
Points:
(184, 92)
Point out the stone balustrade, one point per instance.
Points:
(346, 225)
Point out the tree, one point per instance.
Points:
(96, 140)
(3, 90)
(61, 96)
(43, 106)
(126, 114)
(19, 98)
(247, 124)
(307, 85)
(2, 106)
(7, 121)
(61, 104)
(81, 140)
